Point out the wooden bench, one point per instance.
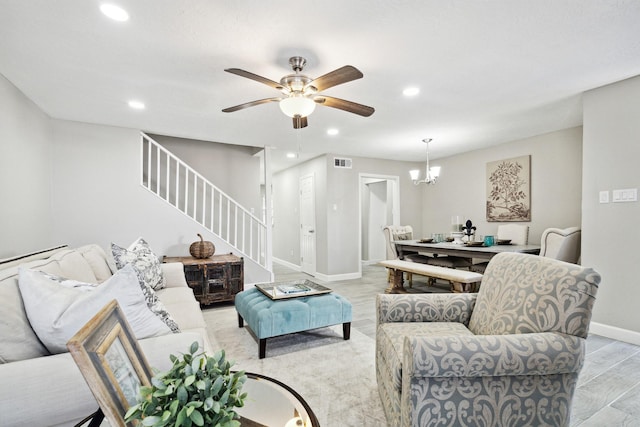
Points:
(461, 280)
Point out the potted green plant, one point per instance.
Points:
(198, 390)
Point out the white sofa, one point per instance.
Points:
(39, 389)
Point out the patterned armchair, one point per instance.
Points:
(509, 355)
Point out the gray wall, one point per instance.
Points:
(98, 198)
(611, 233)
(25, 174)
(235, 169)
(78, 183)
(337, 233)
(556, 175)
(286, 212)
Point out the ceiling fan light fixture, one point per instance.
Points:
(297, 106)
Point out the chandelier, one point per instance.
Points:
(430, 174)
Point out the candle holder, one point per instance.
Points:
(469, 230)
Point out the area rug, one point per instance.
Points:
(335, 377)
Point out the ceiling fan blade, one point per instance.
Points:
(250, 104)
(341, 104)
(263, 80)
(300, 122)
(336, 77)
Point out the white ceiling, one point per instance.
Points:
(489, 71)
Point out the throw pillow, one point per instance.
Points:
(403, 236)
(143, 259)
(57, 308)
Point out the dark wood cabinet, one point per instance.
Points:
(215, 279)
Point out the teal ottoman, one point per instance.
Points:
(268, 318)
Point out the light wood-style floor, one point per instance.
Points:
(608, 392)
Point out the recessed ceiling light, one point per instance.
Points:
(137, 105)
(291, 155)
(411, 91)
(332, 131)
(114, 12)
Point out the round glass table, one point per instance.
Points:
(269, 403)
(272, 403)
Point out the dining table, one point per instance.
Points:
(464, 250)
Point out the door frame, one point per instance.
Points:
(395, 179)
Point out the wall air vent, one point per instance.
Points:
(341, 163)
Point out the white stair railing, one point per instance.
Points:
(175, 182)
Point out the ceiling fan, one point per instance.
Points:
(301, 92)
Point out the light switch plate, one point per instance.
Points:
(604, 196)
(625, 195)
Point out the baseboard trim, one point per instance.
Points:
(287, 264)
(338, 277)
(613, 332)
(320, 276)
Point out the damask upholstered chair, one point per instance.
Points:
(509, 355)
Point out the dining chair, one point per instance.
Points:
(401, 232)
(562, 244)
(517, 233)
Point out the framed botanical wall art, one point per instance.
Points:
(111, 361)
(509, 190)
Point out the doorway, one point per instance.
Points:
(379, 207)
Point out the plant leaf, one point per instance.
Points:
(182, 395)
(217, 385)
(197, 418)
(189, 380)
(182, 415)
(150, 421)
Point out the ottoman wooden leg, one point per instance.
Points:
(240, 321)
(263, 348)
(346, 330)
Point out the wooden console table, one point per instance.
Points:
(215, 279)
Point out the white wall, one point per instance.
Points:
(25, 174)
(232, 168)
(73, 183)
(337, 232)
(98, 199)
(610, 231)
(556, 175)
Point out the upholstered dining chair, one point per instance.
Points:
(517, 233)
(401, 232)
(561, 244)
(509, 355)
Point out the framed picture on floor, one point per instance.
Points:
(111, 361)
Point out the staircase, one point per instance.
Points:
(169, 178)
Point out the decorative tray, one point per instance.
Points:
(474, 243)
(503, 242)
(292, 289)
(425, 241)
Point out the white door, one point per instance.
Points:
(378, 219)
(308, 225)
